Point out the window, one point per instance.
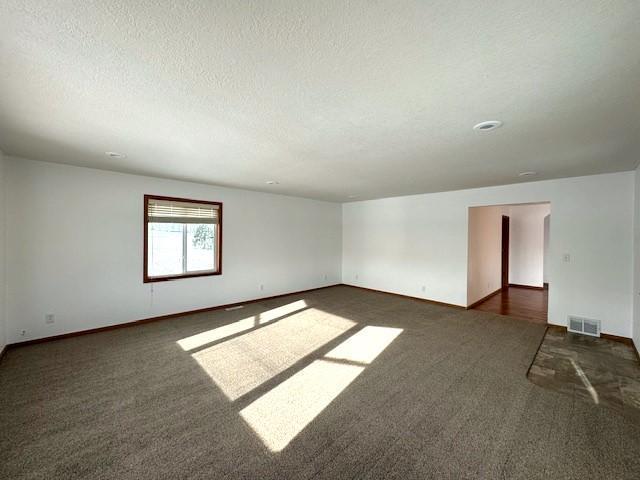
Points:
(182, 238)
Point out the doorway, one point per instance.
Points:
(505, 252)
(507, 269)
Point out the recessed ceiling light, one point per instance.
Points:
(115, 154)
(526, 174)
(488, 126)
(272, 182)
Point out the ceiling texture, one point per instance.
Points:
(334, 100)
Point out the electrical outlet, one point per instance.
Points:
(261, 287)
(23, 333)
(49, 318)
(424, 288)
(566, 258)
(326, 277)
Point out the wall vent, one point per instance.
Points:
(585, 326)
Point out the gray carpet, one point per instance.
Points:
(355, 384)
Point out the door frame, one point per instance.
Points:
(505, 252)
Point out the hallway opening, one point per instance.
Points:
(507, 260)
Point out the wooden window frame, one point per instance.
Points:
(145, 269)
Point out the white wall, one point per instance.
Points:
(400, 244)
(75, 237)
(484, 269)
(636, 258)
(3, 328)
(526, 244)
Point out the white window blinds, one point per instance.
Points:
(169, 211)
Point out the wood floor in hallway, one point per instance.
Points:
(519, 302)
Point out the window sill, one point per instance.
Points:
(166, 278)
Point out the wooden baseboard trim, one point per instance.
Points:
(530, 287)
(475, 304)
(616, 338)
(155, 319)
(558, 328)
(432, 302)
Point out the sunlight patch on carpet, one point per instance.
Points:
(242, 363)
(283, 412)
(215, 334)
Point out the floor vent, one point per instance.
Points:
(585, 326)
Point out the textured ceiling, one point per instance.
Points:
(332, 99)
